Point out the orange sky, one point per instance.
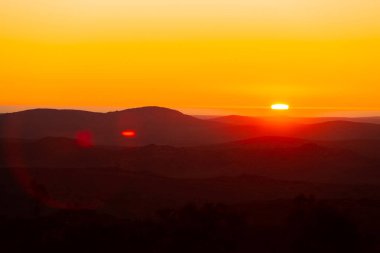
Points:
(204, 56)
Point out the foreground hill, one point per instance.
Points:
(274, 157)
(272, 185)
(141, 180)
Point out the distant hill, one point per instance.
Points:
(162, 126)
(308, 128)
(338, 130)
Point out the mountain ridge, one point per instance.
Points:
(164, 126)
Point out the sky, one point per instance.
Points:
(201, 56)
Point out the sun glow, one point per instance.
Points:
(280, 107)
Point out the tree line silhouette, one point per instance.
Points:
(311, 226)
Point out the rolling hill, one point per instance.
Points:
(273, 157)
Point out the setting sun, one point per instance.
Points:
(280, 107)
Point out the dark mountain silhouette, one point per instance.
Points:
(153, 125)
(162, 126)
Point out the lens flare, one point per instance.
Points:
(84, 139)
(129, 133)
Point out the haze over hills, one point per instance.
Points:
(162, 126)
(247, 120)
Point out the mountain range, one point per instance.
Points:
(163, 126)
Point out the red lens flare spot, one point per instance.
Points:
(129, 133)
(84, 139)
